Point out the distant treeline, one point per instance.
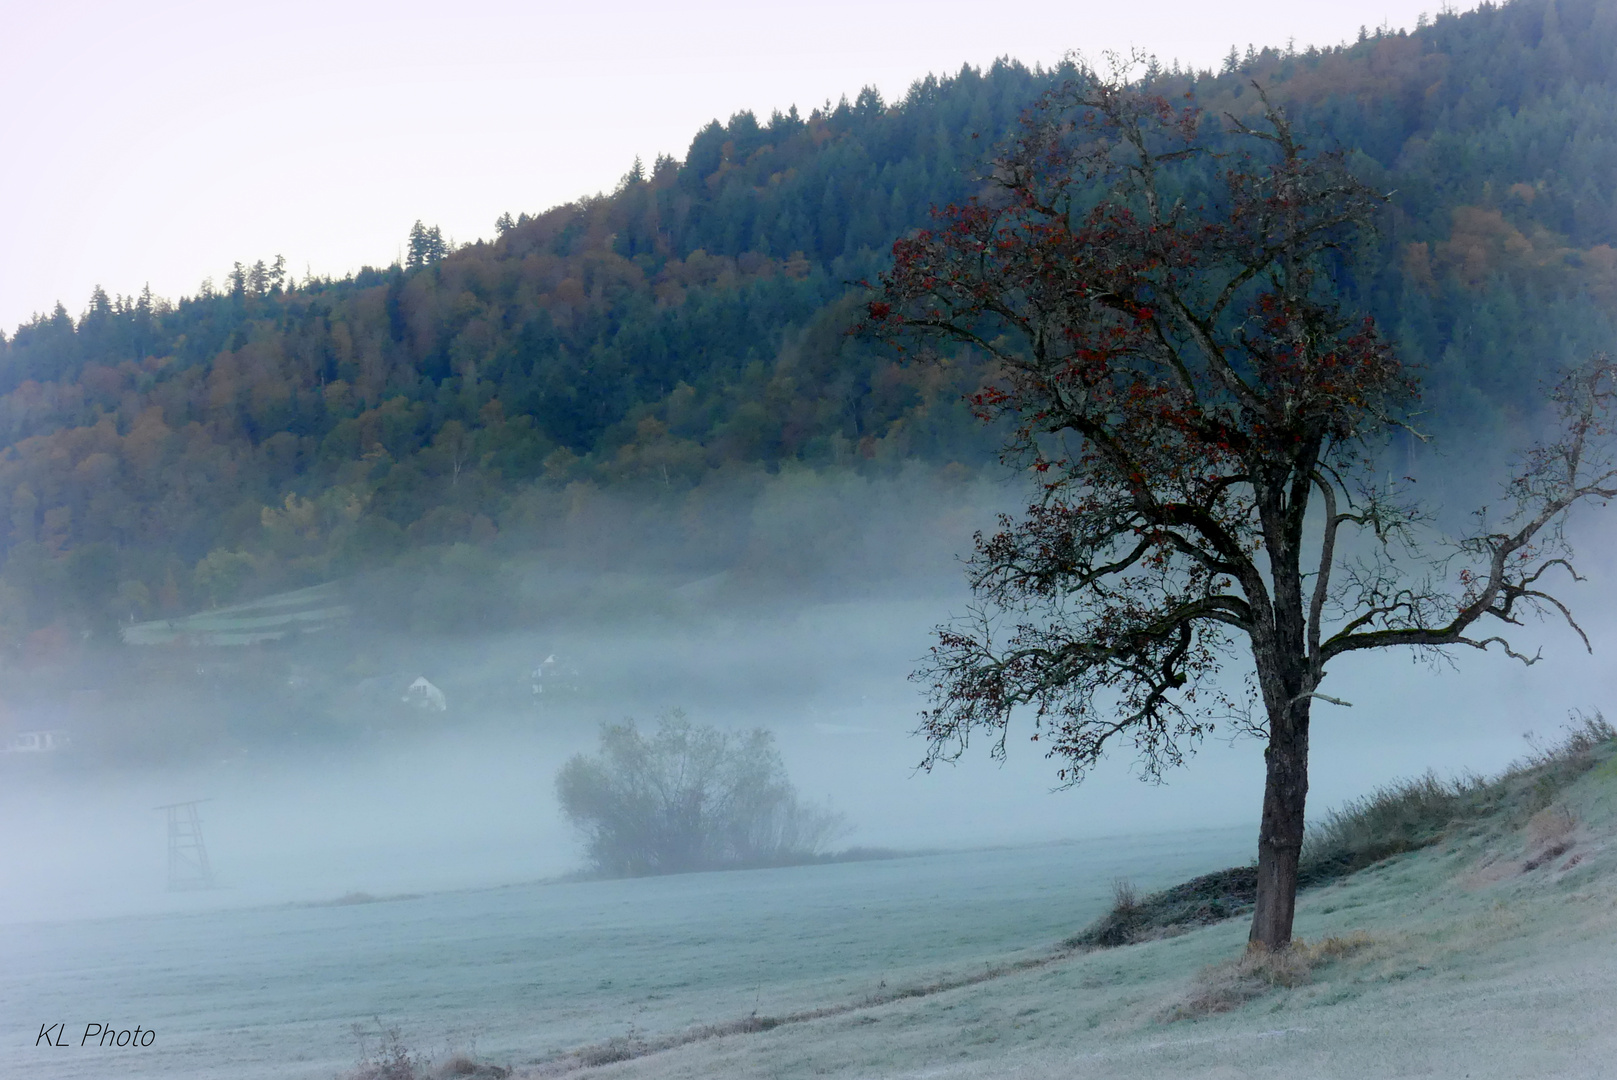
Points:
(159, 457)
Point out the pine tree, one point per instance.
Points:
(427, 246)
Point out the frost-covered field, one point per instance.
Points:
(1480, 962)
(525, 971)
(1476, 965)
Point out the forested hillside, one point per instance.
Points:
(693, 326)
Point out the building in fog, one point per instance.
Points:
(36, 742)
(423, 695)
(553, 676)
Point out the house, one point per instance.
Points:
(423, 695)
(554, 676)
(36, 742)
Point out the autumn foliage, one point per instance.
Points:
(1161, 296)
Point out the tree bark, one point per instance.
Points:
(1280, 837)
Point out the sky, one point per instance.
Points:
(159, 143)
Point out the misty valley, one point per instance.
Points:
(412, 873)
(1096, 567)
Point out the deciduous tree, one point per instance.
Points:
(688, 798)
(1160, 295)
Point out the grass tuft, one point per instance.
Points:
(1224, 987)
(389, 1058)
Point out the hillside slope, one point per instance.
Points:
(270, 433)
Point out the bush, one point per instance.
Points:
(1207, 899)
(689, 798)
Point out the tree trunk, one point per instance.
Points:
(1280, 838)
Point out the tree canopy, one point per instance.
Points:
(1161, 298)
(694, 320)
(687, 797)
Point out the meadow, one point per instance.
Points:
(524, 973)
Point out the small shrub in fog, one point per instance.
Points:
(688, 797)
(389, 1058)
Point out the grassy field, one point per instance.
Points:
(527, 973)
(1486, 946)
(1467, 928)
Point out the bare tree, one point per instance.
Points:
(457, 445)
(1158, 298)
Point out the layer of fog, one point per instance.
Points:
(465, 798)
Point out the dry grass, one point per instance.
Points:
(460, 1066)
(1224, 987)
(1124, 896)
(1550, 825)
(409, 1067)
(1126, 922)
(1412, 814)
(1401, 817)
(388, 1058)
(1549, 836)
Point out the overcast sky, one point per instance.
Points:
(157, 143)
